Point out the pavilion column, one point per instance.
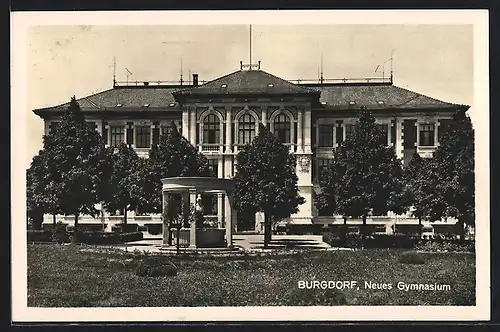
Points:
(166, 230)
(220, 204)
(228, 214)
(192, 232)
(186, 207)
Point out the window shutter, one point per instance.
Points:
(393, 132)
(130, 133)
(340, 132)
(105, 132)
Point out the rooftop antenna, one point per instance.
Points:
(114, 71)
(321, 77)
(181, 80)
(392, 73)
(250, 49)
(129, 73)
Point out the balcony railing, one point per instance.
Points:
(210, 148)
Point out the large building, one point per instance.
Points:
(221, 115)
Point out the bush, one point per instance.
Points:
(129, 237)
(390, 241)
(89, 237)
(439, 244)
(154, 229)
(411, 257)
(155, 267)
(39, 235)
(352, 240)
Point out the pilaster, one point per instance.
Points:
(300, 140)
(307, 131)
(228, 130)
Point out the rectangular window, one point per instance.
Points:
(339, 133)
(325, 135)
(349, 129)
(156, 135)
(385, 130)
(53, 127)
(92, 125)
(426, 137)
(105, 134)
(213, 167)
(117, 135)
(130, 133)
(143, 137)
(322, 164)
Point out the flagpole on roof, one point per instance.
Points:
(250, 50)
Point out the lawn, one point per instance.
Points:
(67, 276)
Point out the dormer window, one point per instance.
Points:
(224, 85)
(381, 102)
(171, 104)
(146, 105)
(119, 105)
(323, 103)
(270, 85)
(352, 103)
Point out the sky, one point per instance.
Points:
(435, 60)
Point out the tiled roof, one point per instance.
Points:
(126, 97)
(376, 95)
(247, 81)
(333, 96)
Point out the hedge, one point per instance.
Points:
(87, 237)
(39, 235)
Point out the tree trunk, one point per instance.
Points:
(76, 235)
(419, 227)
(344, 232)
(461, 230)
(363, 231)
(267, 230)
(124, 216)
(169, 235)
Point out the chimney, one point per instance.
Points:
(195, 79)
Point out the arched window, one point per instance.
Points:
(282, 128)
(211, 129)
(246, 129)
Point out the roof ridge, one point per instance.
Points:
(208, 82)
(417, 94)
(282, 79)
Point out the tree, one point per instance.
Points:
(78, 162)
(266, 181)
(38, 199)
(371, 180)
(123, 180)
(417, 186)
(173, 156)
(451, 174)
(330, 182)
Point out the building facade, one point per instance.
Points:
(222, 115)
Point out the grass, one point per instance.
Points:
(67, 276)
